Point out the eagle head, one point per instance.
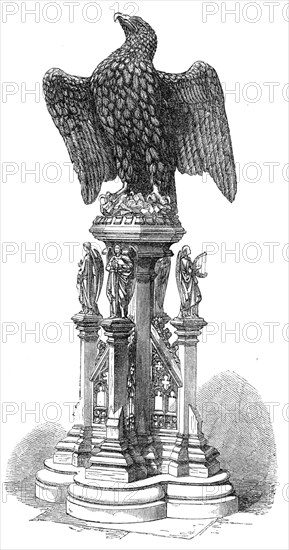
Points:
(138, 33)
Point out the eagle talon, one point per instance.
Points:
(121, 191)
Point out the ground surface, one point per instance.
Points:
(28, 523)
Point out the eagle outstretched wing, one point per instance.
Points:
(70, 103)
(194, 102)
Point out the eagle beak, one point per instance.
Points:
(125, 20)
(116, 16)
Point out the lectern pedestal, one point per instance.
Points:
(146, 457)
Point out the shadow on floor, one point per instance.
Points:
(235, 421)
(238, 424)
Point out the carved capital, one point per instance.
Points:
(188, 329)
(145, 270)
(142, 236)
(88, 326)
(117, 328)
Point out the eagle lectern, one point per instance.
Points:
(136, 451)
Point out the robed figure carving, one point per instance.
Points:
(162, 270)
(187, 274)
(90, 279)
(120, 281)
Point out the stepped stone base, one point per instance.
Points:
(53, 481)
(77, 446)
(198, 510)
(150, 499)
(70, 456)
(192, 456)
(113, 462)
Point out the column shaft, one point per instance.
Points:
(144, 278)
(76, 447)
(113, 462)
(88, 326)
(187, 392)
(191, 455)
(87, 361)
(118, 332)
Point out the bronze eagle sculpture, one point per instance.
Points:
(130, 120)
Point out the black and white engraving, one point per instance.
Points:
(139, 452)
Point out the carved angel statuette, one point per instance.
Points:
(120, 283)
(187, 274)
(90, 279)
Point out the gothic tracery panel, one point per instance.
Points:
(100, 398)
(163, 395)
